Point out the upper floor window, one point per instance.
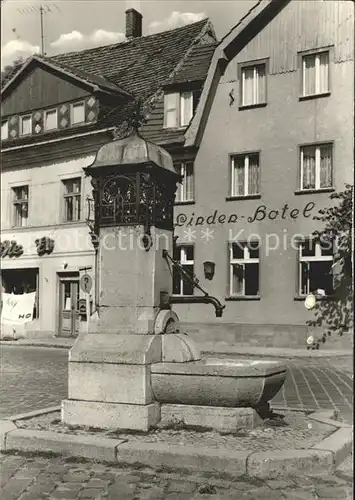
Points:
(4, 130)
(253, 85)
(50, 120)
(72, 199)
(315, 74)
(185, 190)
(20, 206)
(77, 113)
(315, 267)
(245, 174)
(26, 125)
(244, 268)
(316, 166)
(179, 108)
(183, 254)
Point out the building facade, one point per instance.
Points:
(275, 137)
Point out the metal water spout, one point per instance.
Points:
(202, 299)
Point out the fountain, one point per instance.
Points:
(135, 369)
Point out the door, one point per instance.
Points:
(69, 307)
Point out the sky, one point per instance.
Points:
(70, 25)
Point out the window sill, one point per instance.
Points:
(313, 96)
(243, 297)
(247, 197)
(189, 202)
(300, 298)
(252, 106)
(176, 129)
(71, 222)
(314, 191)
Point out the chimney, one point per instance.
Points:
(133, 23)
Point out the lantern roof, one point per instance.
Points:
(132, 150)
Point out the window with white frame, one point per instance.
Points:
(245, 174)
(316, 166)
(244, 269)
(4, 130)
(315, 266)
(179, 108)
(72, 199)
(50, 120)
(185, 190)
(253, 85)
(315, 74)
(183, 254)
(77, 113)
(20, 206)
(26, 125)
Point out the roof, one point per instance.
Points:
(260, 14)
(139, 68)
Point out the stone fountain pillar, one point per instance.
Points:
(134, 185)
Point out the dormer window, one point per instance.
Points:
(26, 125)
(77, 113)
(4, 130)
(179, 108)
(51, 120)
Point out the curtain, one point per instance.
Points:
(189, 182)
(309, 168)
(309, 74)
(325, 166)
(171, 106)
(237, 279)
(186, 108)
(239, 176)
(323, 72)
(253, 180)
(248, 84)
(261, 84)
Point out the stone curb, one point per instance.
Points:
(322, 457)
(31, 414)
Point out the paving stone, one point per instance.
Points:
(74, 476)
(262, 493)
(333, 492)
(299, 495)
(181, 486)
(122, 491)
(154, 493)
(97, 483)
(91, 493)
(128, 478)
(280, 484)
(180, 496)
(14, 487)
(61, 494)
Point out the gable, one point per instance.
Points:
(40, 88)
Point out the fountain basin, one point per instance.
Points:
(218, 382)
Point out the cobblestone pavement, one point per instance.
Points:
(34, 477)
(31, 378)
(34, 378)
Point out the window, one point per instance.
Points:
(315, 266)
(20, 206)
(253, 81)
(185, 190)
(19, 281)
(244, 269)
(245, 174)
(51, 120)
(315, 74)
(77, 113)
(72, 199)
(4, 130)
(179, 108)
(185, 256)
(26, 125)
(316, 167)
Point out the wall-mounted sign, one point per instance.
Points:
(261, 213)
(17, 309)
(44, 245)
(86, 283)
(11, 249)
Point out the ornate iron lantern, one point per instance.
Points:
(209, 268)
(134, 183)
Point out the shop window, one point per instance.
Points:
(19, 281)
(77, 113)
(72, 199)
(315, 74)
(183, 254)
(179, 108)
(316, 167)
(245, 174)
(315, 267)
(20, 206)
(244, 269)
(26, 125)
(185, 190)
(4, 130)
(253, 85)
